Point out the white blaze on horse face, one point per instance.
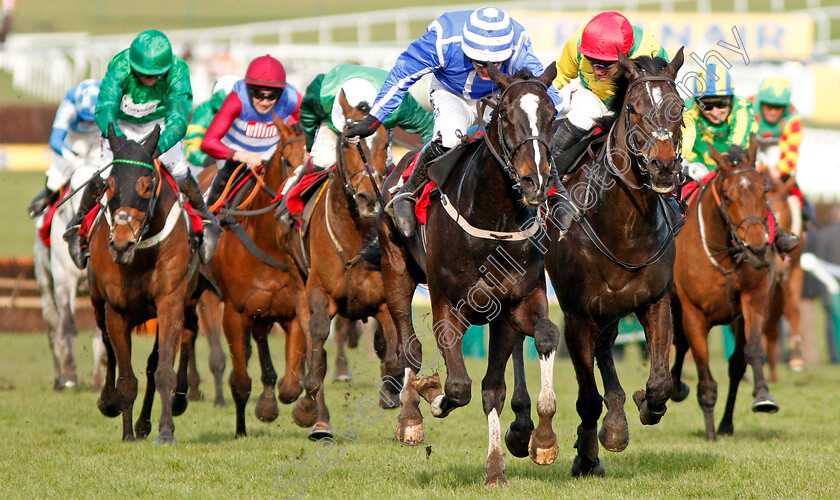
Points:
(529, 104)
(546, 404)
(494, 433)
(655, 95)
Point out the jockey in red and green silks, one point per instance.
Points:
(145, 86)
(201, 118)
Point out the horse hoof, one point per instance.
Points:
(320, 430)
(220, 403)
(517, 441)
(646, 415)
(110, 410)
(143, 428)
(266, 409)
(797, 364)
(543, 455)
(680, 392)
(580, 469)
(429, 388)
(287, 394)
(612, 439)
(179, 404)
(343, 377)
(724, 430)
(410, 434)
(388, 401)
(166, 440)
(765, 404)
(495, 481)
(195, 396)
(305, 412)
(71, 383)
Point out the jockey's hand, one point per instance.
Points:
(72, 158)
(697, 171)
(361, 129)
(250, 158)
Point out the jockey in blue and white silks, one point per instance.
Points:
(456, 49)
(74, 138)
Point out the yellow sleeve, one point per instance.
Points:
(743, 119)
(789, 144)
(567, 62)
(689, 135)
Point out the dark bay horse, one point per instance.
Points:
(142, 265)
(723, 274)
(256, 294)
(618, 258)
(340, 280)
(482, 267)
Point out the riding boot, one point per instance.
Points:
(212, 229)
(42, 200)
(564, 213)
(404, 200)
(283, 216)
(808, 212)
(566, 135)
(785, 240)
(74, 240)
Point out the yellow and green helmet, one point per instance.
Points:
(714, 81)
(775, 91)
(150, 53)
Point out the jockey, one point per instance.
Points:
(201, 118)
(779, 132)
(724, 120)
(456, 49)
(74, 136)
(146, 86)
(243, 130)
(592, 55)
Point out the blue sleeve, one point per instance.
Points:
(419, 59)
(64, 118)
(289, 99)
(526, 58)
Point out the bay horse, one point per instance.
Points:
(339, 279)
(723, 274)
(60, 281)
(618, 258)
(481, 267)
(787, 287)
(256, 295)
(142, 265)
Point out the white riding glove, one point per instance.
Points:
(697, 171)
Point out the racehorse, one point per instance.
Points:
(142, 265)
(339, 279)
(787, 288)
(60, 280)
(481, 268)
(618, 258)
(723, 274)
(259, 291)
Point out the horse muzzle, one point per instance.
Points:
(533, 192)
(122, 252)
(663, 175)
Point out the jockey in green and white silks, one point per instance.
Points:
(145, 86)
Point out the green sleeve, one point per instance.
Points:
(110, 92)
(178, 105)
(311, 112)
(202, 116)
(412, 118)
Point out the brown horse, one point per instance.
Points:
(723, 274)
(481, 267)
(618, 258)
(256, 294)
(340, 280)
(141, 266)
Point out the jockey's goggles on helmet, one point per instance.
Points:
(264, 93)
(483, 64)
(597, 63)
(710, 103)
(150, 77)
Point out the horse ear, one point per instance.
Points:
(342, 101)
(675, 65)
(499, 78)
(151, 141)
(112, 137)
(628, 65)
(752, 151)
(549, 74)
(722, 162)
(283, 129)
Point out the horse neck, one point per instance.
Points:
(714, 225)
(164, 203)
(343, 212)
(488, 193)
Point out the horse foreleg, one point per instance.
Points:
(143, 426)
(210, 320)
(235, 325)
(186, 386)
(792, 289)
(696, 328)
(770, 338)
(342, 333)
(99, 360)
(518, 434)
(580, 341)
(108, 402)
(267, 408)
(170, 330)
(48, 309)
(305, 413)
(289, 387)
(656, 321)
(754, 306)
(119, 335)
(65, 295)
(680, 389)
(614, 434)
(389, 366)
(502, 342)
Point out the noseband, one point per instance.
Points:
(740, 247)
(122, 218)
(659, 134)
(346, 177)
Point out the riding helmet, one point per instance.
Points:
(150, 53)
(605, 35)
(488, 36)
(775, 91)
(266, 71)
(714, 80)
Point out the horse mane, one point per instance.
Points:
(524, 74)
(647, 64)
(736, 154)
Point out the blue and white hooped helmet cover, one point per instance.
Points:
(488, 35)
(85, 97)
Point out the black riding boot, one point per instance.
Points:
(404, 198)
(564, 213)
(74, 240)
(785, 241)
(41, 201)
(212, 229)
(219, 182)
(566, 135)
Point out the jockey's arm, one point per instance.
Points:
(412, 118)
(311, 111)
(178, 106)
(567, 62)
(111, 91)
(789, 143)
(218, 128)
(64, 117)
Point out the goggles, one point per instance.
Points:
(597, 63)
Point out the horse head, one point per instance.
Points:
(652, 117)
(132, 187)
(740, 191)
(353, 169)
(520, 130)
(291, 148)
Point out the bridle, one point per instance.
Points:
(504, 156)
(346, 178)
(123, 218)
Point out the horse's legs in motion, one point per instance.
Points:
(289, 387)
(193, 390)
(49, 310)
(119, 335)
(305, 412)
(792, 290)
(99, 360)
(770, 338)
(108, 402)
(210, 322)
(696, 328)
(754, 307)
(737, 367)
(502, 342)
(342, 333)
(519, 433)
(143, 426)
(267, 408)
(235, 325)
(170, 329)
(614, 434)
(580, 341)
(385, 342)
(186, 366)
(656, 321)
(680, 389)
